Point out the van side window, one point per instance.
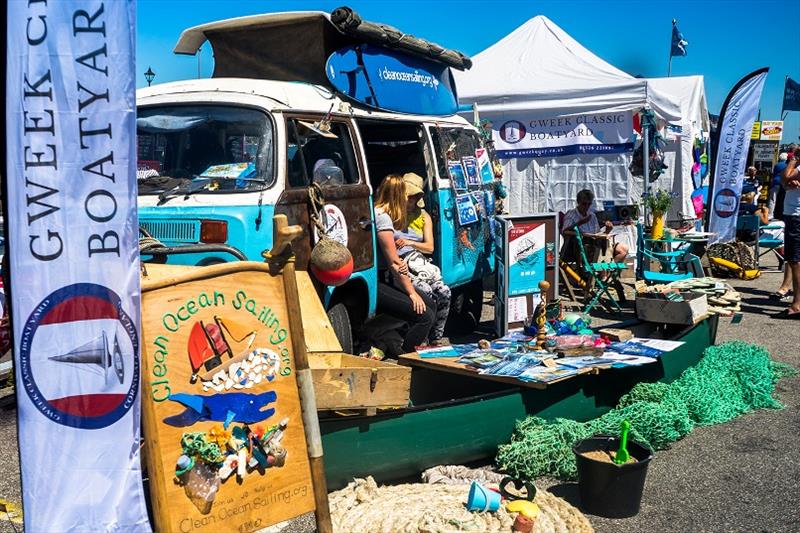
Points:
(313, 157)
(453, 143)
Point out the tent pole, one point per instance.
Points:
(669, 67)
(646, 164)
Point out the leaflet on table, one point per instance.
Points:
(631, 347)
(545, 374)
(658, 344)
(621, 360)
(515, 364)
(481, 358)
(585, 361)
(455, 350)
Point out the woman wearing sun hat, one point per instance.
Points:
(414, 244)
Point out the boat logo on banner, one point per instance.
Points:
(529, 136)
(512, 131)
(726, 203)
(93, 382)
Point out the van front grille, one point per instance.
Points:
(164, 230)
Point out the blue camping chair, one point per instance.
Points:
(674, 265)
(759, 242)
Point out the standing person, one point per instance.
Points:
(414, 243)
(790, 180)
(397, 296)
(775, 184)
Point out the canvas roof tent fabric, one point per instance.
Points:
(689, 92)
(258, 46)
(539, 67)
(543, 71)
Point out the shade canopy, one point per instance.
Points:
(539, 68)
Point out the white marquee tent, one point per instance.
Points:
(541, 71)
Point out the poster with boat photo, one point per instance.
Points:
(226, 448)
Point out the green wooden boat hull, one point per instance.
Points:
(458, 420)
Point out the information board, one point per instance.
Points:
(527, 253)
(225, 443)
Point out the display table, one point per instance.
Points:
(449, 364)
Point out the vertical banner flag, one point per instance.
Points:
(791, 95)
(74, 261)
(735, 124)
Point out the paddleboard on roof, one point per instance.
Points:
(391, 80)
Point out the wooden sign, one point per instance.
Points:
(225, 443)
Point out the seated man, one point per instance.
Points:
(748, 206)
(584, 218)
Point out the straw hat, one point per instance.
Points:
(414, 185)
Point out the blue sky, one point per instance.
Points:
(727, 38)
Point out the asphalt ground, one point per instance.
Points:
(740, 476)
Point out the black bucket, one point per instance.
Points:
(607, 489)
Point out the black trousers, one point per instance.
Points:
(396, 303)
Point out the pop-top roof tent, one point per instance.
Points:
(296, 46)
(540, 70)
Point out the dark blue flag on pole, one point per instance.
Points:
(678, 42)
(791, 95)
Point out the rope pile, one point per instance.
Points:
(434, 508)
(731, 379)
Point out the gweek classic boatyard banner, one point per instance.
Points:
(733, 140)
(525, 136)
(74, 262)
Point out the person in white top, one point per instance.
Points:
(584, 218)
(790, 180)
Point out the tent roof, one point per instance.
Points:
(690, 93)
(539, 68)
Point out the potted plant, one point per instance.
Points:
(657, 203)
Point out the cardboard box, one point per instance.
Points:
(662, 311)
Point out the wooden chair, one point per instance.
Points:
(601, 276)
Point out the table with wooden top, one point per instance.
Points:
(450, 365)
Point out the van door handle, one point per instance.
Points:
(365, 223)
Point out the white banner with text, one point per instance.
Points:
(526, 137)
(74, 262)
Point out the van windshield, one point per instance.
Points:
(218, 148)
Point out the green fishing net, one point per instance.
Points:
(731, 379)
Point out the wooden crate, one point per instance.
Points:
(692, 310)
(343, 381)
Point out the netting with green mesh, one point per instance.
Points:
(731, 379)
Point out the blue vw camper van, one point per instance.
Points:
(270, 133)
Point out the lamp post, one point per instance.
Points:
(149, 75)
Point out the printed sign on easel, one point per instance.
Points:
(527, 253)
(226, 447)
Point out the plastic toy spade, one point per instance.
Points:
(622, 455)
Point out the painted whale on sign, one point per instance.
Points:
(227, 408)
